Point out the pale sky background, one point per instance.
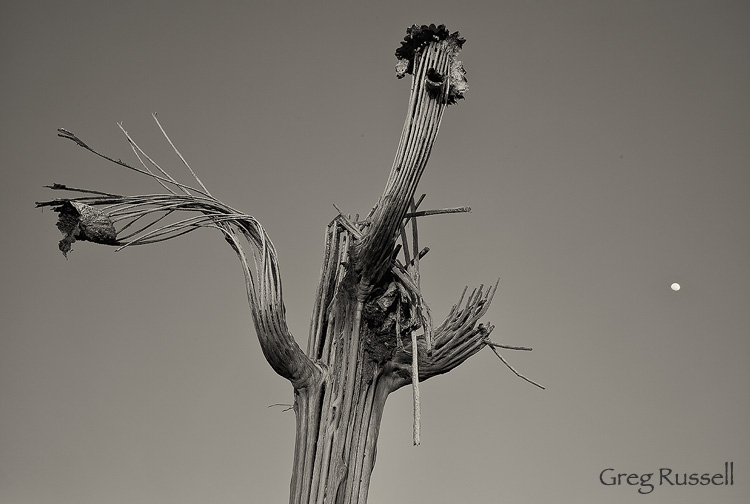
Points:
(603, 147)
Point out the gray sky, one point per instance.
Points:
(603, 147)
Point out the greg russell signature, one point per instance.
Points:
(667, 477)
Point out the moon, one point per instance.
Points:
(675, 287)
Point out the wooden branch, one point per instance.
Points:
(423, 213)
(266, 303)
(422, 253)
(416, 429)
(459, 337)
(98, 217)
(413, 266)
(180, 155)
(455, 340)
(494, 346)
(429, 54)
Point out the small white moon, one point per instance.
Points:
(675, 287)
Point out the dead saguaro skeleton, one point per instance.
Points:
(371, 331)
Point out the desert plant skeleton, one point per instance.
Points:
(371, 331)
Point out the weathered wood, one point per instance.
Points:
(367, 303)
(371, 330)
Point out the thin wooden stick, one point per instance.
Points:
(407, 255)
(415, 388)
(423, 253)
(423, 213)
(63, 187)
(509, 347)
(156, 165)
(399, 343)
(143, 228)
(415, 246)
(165, 186)
(63, 133)
(180, 155)
(414, 267)
(288, 406)
(419, 201)
(492, 347)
